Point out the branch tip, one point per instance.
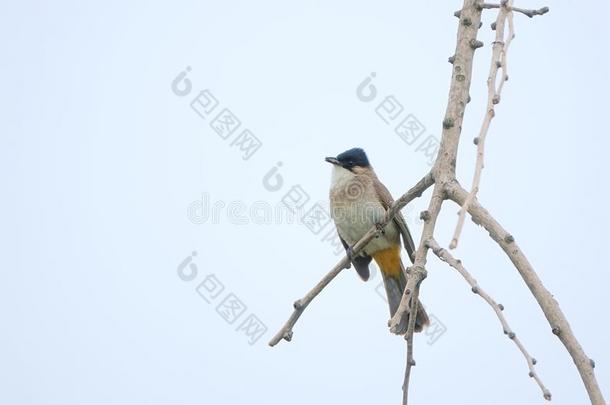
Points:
(446, 257)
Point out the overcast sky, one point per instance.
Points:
(115, 169)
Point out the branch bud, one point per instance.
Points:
(474, 43)
(424, 216)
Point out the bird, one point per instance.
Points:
(359, 201)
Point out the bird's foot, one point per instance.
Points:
(350, 253)
(380, 228)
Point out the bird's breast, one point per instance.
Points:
(355, 208)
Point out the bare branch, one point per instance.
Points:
(494, 92)
(557, 320)
(529, 13)
(417, 272)
(409, 339)
(446, 186)
(444, 166)
(445, 256)
(299, 306)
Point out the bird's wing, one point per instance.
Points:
(361, 262)
(386, 200)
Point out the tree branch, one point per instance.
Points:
(445, 256)
(444, 166)
(443, 169)
(529, 13)
(557, 320)
(299, 306)
(494, 92)
(409, 338)
(446, 186)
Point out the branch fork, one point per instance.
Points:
(446, 187)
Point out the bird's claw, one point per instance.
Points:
(350, 253)
(380, 228)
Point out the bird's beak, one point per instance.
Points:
(332, 160)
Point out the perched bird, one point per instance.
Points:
(359, 201)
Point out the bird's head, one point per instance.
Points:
(351, 159)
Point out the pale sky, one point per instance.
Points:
(111, 180)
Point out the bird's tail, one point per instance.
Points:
(395, 286)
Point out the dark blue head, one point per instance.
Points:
(350, 159)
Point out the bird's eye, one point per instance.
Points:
(350, 162)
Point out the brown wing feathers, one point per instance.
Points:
(386, 200)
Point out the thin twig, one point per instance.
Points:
(417, 272)
(445, 256)
(409, 338)
(529, 13)
(498, 64)
(299, 306)
(557, 320)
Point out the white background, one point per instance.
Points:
(99, 161)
